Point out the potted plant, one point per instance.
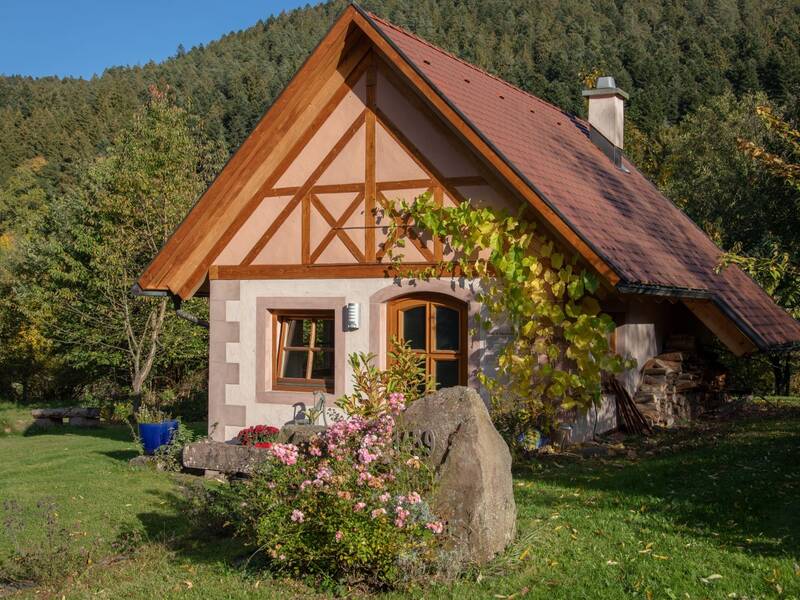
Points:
(260, 436)
(156, 428)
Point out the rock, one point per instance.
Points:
(298, 434)
(474, 489)
(84, 422)
(46, 422)
(47, 413)
(68, 411)
(222, 457)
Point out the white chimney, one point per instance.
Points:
(607, 117)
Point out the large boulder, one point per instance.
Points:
(474, 488)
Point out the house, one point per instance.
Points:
(289, 241)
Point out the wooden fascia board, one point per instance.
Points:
(326, 271)
(175, 267)
(721, 326)
(475, 138)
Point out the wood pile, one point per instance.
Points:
(676, 386)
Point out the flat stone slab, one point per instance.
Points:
(66, 412)
(230, 459)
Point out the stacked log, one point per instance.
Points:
(675, 386)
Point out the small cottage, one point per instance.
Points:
(289, 243)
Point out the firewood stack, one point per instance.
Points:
(677, 385)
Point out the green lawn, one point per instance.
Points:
(709, 513)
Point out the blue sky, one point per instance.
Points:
(83, 37)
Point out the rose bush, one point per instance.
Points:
(349, 505)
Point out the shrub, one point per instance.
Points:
(169, 457)
(349, 505)
(373, 387)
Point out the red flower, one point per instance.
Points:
(263, 445)
(257, 434)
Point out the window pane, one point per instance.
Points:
(324, 334)
(294, 364)
(299, 332)
(322, 367)
(447, 328)
(446, 373)
(414, 327)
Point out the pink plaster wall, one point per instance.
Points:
(349, 108)
(252, 230)
(437, 147)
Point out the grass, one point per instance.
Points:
(711, 512)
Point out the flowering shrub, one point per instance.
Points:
(349, 505)
(260, 436)
(374, 388)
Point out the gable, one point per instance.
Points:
(267, 156)
(375, 143)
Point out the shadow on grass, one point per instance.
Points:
(110, 432)
(738, 483)
(187, 532)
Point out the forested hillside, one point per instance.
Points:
(670, 56)
(695, 70)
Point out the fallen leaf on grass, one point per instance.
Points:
(660, 557)
(711, 578)
(611, 562)
(189, 584)
(522, 592)
(525, 553)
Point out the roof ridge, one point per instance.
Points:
(470, 65)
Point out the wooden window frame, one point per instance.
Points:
(395, 327)
(296, 384)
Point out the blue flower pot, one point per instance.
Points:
(155, 435)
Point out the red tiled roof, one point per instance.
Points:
(622, 216)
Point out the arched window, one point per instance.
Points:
(435, 327)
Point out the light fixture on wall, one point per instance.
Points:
(352, 313)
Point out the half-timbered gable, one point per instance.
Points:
(330, 204)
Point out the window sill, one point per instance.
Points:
(278, 396)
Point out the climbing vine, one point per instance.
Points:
(540, 300)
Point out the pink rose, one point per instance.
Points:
(435, 526)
